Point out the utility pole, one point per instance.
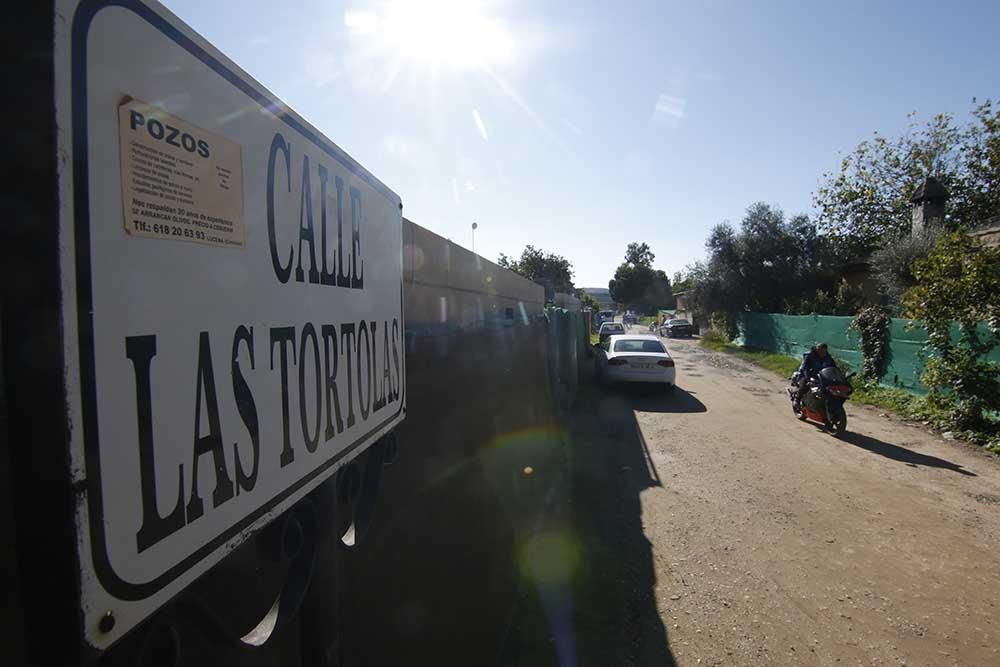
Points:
(474, 228)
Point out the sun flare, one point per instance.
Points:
(436, 34)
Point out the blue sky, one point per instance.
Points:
(581, 126)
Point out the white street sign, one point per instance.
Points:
(232, 305)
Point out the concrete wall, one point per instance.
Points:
(436, 581)
(449, 287)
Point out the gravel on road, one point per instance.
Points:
(711, 527)
(775, 543)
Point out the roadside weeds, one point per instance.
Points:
(778, 363)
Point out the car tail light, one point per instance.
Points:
(666, 363)
(616, 362)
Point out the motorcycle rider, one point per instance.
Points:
(813, 362)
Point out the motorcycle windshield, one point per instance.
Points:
(832, 375)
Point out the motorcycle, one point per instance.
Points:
(824, 398)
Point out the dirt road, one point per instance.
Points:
(775, 543)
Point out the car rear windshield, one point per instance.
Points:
(638, 346)
(679, 322)
(614, 327)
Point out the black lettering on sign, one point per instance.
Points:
(379, 390)
(211, 443)
(306, 230)
(136, 119)
(311, 439)
(326, 277)
(343, 270)
(378, 384)
(387, 396)
(329, 333)
(156, 131)
(155, 128)
(141, 350)
(395, 358)
(364, 403)
(357, 281)
(248, 411)
(281, 272)
(172, 133)
(346, 339)
(283, 336)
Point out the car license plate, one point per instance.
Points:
(645, 367)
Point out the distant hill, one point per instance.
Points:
(601, 294)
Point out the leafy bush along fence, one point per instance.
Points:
(872, 326)
(795, 334)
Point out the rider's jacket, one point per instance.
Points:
(813, 364)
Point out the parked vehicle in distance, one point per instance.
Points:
(676, 329)
(610, 329)
(635, 358)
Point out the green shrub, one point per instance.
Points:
(872, 327)
(726, 324)
(713, 337)
(959, 282)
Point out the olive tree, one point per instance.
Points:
(864, 204)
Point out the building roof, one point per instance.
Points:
(930, 189)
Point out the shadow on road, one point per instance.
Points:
(607, 615)
(897, 453)
(650, 398)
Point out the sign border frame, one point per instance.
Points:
(82, 18)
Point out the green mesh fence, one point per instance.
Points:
(795, 334)
(906, 355)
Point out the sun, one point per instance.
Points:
(456, 35)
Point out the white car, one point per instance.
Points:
(610, 329)
(635, 358)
